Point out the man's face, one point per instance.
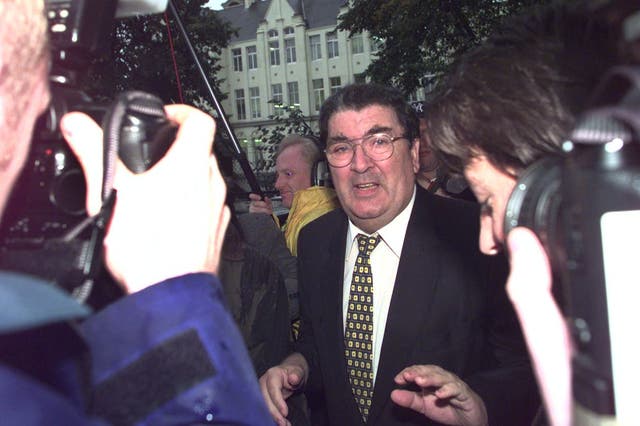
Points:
(492, 187)
(373, 193)
(428, 160)
(293, 173)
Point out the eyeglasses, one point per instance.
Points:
(378, 147)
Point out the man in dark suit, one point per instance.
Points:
(433, 340)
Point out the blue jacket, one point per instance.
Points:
(170, 354)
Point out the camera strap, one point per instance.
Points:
(72, 261)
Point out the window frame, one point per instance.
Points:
(252, 57)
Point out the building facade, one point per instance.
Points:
(287, 53)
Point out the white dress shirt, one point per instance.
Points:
(384, 266)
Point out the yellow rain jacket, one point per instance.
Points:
(308, 205)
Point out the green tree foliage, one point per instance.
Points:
(141, 55)
(290, 120)
(421, 37)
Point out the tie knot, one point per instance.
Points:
(366, 244)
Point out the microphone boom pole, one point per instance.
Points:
(235, 146)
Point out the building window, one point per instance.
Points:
(276, 98)
(272, 34)
(359, 78)
(332, 45)
(376, 44)
(274, 53)
(237, 59)
(241, 109)
(254, 102)
(318, 93)
(288, 31)
(252, 58)
(290, 50)
(315, 47)
(357, 45)
(334, 84)
(294, 95)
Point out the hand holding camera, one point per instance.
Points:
(175, 209)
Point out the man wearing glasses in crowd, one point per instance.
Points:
(402, 317)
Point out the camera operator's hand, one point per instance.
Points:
(169, 220)
(544, 328)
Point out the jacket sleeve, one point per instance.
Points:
(172, 354)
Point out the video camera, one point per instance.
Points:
(45, 230)
(585, 209)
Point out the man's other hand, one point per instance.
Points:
(442, 396)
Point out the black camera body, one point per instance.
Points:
(585, 209)
(45, 230)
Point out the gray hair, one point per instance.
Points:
(310, 150)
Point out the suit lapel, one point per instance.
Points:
(410, 303)
(332, 324)
(332, 306)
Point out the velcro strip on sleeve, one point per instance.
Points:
(154, 379)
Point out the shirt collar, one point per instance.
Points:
(393, 232)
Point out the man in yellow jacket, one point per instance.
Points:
(295, 160)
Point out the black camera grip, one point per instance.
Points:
(144, 139)
(137, 128)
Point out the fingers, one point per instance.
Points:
(272, 385)
(543, 325)
(220, 217)
(408, 399)
(423, 375)
(259, 205)
(530, 274)
(442, 397)
(196, 132)
(84, 137)
(432, 380)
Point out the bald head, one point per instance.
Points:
(24, 93)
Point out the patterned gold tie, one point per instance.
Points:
(358, 336)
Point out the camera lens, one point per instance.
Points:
(535, 204)
(68, 192)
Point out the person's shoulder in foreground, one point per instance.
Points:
(169, 354)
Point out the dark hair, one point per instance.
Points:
(515, 98)
(359, 96)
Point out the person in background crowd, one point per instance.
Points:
(427, 176)
(305, 200)
(432, 174)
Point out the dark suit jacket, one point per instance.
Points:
(449, 308)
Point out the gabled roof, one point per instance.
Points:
(321, 13)
(317, 13)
